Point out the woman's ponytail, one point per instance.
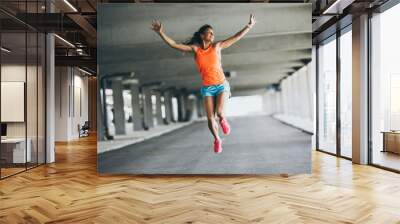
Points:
(196, 38)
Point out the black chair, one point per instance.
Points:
(84, 130)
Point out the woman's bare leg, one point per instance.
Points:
(212, 123)
(221, 99)
(220, 105)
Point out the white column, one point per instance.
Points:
(168, 106)
(199, 104)
(191, 112)
(360, 90)
(100, 114)
(137, 116)
(119, 113)
(50, 92)
(160, 120)
(50, 98)
(182, 106)
(148, 107)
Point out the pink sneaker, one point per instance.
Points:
(217, 146)
(226, 129)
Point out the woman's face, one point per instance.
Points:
(208, 35)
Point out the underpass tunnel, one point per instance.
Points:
(146, 84)
(130, 106)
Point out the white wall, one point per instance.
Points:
(294, 103)
(80, 83)
(71, 87)
(297, 94)
(12, 73)
(16, 73)
(245, 106)
(270, 101)
(34, 125)
(62, 81)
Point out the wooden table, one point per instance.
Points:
(391, 141)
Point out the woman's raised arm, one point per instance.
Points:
(157, 27)
(233, 39)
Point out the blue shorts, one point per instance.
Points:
(215, 90)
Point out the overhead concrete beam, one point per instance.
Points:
(159, 50)
(187, 66)
(115, 21)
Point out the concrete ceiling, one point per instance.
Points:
(279, 43)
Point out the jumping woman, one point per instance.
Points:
(207, 54)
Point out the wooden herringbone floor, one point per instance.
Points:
(71, 191)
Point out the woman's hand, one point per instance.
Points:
(156, 26)
(252, 21)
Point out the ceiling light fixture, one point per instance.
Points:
(70, 5)
(84, 71)
(64, 40)
(328, 10)
(5, 50)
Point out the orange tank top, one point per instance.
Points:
(208, 63)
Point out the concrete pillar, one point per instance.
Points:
(103, 128)
(312, 84)
(168, 106)
(100, 114)
(119, 114)
(50, 96)
(195, 108)
(182, 102)
(188, 107)
(191, 111)
(50, 92)
(174, 108)
(137, 115)
(160, 120)
(199, 105)
(360, 90)
(148, 108)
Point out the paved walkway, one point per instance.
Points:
(133, 137)
(256, 145)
